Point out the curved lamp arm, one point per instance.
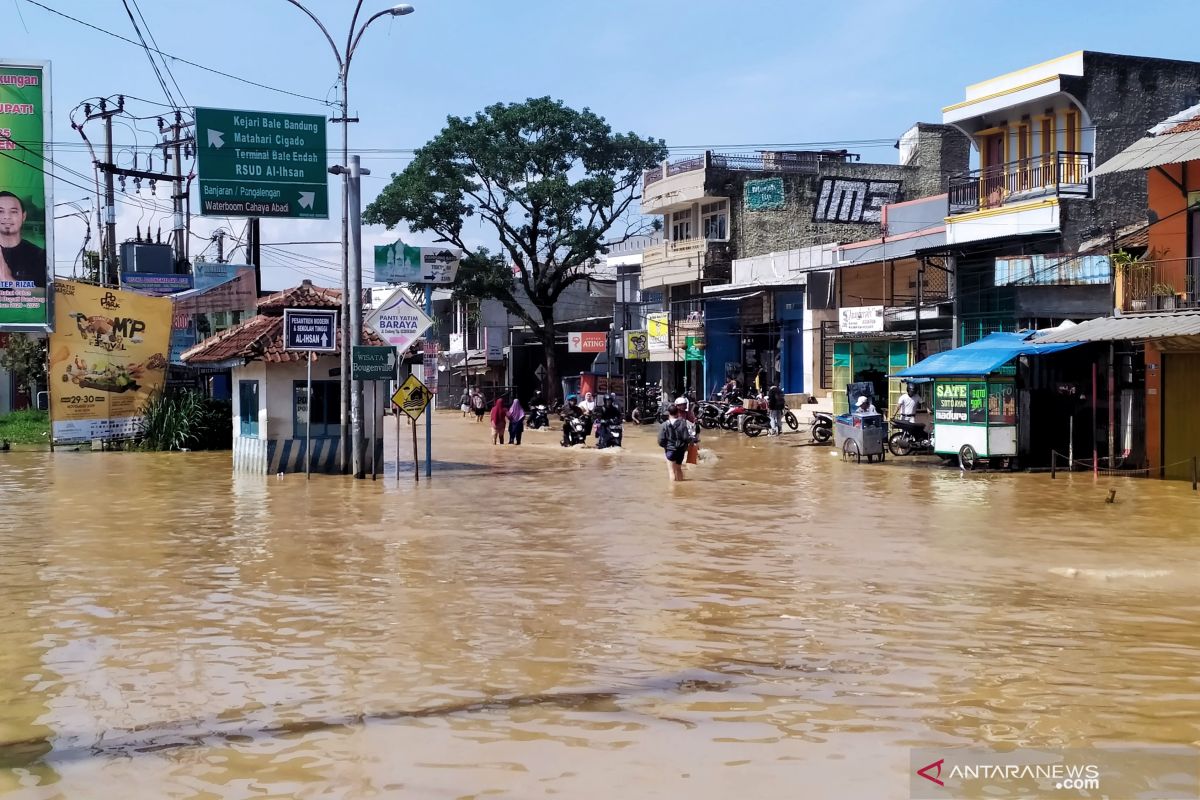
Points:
(336, 53)
(390, 12)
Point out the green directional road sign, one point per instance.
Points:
(372, 363)
(258, 164)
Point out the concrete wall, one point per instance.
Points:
(939, 151)
(1123, 96)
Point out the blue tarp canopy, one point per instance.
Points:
(983, 357)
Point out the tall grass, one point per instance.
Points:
(25, 427)
(187, 421)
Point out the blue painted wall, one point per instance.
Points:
(722, 341)
(789, 310)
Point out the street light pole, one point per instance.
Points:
(351, 420)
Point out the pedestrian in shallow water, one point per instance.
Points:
(464, 402)
(478, 404)
(674, 437)
(499, 421)
(516, 422)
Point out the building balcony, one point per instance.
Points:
(1052, 175)
(1163, 285)
(686, 261)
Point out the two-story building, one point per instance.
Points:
(1029, 229)
(741, 233)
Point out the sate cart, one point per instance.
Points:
(860, 435)
(975, 398)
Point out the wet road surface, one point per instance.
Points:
(538, 621)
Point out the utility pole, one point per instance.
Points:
(219, 238)
(254, 251)
(177, 197)
(354, 198)
(917, 326)
(109, 276)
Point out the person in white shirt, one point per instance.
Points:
(864, 406)
(906, 406)
(588, 403)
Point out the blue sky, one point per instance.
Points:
(719, 74)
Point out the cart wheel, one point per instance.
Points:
(850, 451)
(791, 420)
(967, 458)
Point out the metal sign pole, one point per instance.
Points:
(428, 412)
(416, 458)
(374, 423)
(396, 414)
(308, 407)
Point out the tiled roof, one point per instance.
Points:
(257, 339)
(306, 295)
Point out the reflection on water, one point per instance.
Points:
(540, 621)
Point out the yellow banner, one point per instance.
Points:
(108, 357)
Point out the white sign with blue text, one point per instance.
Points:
(398, 321)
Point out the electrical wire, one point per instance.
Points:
(181, 60)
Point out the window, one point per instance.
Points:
(248, 408)
(1002, 404)
(326, 409)
(681, 225)
(714, 220)
(1049, 151)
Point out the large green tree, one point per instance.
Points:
(25, 358)
(554, 183)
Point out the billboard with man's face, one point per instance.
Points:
(26, 227)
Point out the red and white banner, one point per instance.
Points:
(587, 342)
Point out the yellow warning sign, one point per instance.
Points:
(412, 397)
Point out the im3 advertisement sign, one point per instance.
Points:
(26, 227)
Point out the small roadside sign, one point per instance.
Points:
(398, 321)
(372, 363)
(311, 329)
(540, 372)
(412, 397)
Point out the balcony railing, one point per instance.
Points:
(785, 161)
(1163, 285)
(1053, 174)
(668, 251)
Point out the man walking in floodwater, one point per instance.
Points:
(674, 437)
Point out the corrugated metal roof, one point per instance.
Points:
(1154, 151)
(1162, 325)
(983, 357)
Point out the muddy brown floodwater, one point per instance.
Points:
(536, 621)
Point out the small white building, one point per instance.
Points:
(271, 409)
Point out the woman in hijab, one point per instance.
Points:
(499, 421)
(516, 422)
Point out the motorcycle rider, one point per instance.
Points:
(906, 406)
(608, 415)
(572, 411)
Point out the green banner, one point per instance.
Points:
(693, 349)
(26, 236)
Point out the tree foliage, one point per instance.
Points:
(25, 358)
(555, 184)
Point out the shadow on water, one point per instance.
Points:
(155, 738)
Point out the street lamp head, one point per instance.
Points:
(401, 10)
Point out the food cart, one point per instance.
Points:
(974, 397)
(860, 435)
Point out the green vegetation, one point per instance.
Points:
(25, 427)
(187, 421)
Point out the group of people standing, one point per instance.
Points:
(504, 416)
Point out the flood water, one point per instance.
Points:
(536, 621)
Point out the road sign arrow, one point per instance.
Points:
(307, 198)
(215, 139)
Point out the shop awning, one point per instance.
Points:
(983, 357)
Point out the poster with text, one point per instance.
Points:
(26, 230)
(108, 358)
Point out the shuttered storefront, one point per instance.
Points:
(1181, 413)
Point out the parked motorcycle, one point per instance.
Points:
(708, 414)
(822, 427)
(755, 422)
(911, 438)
